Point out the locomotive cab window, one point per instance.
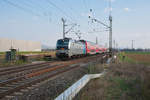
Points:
(62, 44)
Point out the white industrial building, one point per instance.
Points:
(21, 45)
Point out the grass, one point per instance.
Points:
(135, 57)
(35, 52)
(19, 62)
(31, 52)
(91, 69)
(121, 86)
(122, 82)
(125, 80)
(125, 58)
(94, 68)
(12, 63)
(2, 53)
(137, 52)
(128, 81)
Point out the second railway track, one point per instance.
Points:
(38, 74)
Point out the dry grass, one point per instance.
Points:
(35, 56)
(122, 82)
(142, 58)
(52, 53)
(135, 57)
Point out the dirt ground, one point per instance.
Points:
(145, 58)
(123, 81)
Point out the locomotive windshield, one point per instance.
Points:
(62, 44)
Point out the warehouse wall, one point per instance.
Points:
(22, 45)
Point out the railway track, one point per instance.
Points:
(37, 73)
(18, 71)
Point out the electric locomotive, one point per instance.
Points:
(67, 47)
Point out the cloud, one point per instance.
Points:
(127, 9)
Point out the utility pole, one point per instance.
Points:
(107, 26)
(64, 25)
(132, 45)
(117, 47)
(105, 45)
(110, 27)
(110, 34)
(96, 40)
(114, 44)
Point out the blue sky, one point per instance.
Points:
(40, 20)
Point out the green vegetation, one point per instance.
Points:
(29, 52)
(136, 52)
(129, 82)
(135, 57)
(126, 80)
(123, 58)
(2, 53)
(121, 86)
(39, 57)
(95, 68)
(33, 52)
(91, 69)
(123, 81)
(12, 63)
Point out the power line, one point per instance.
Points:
(71, 9)
(64, 27)
(107, 26)
(39, 6)
(20, 7)
(98, 31)
(45, 13)
(29, 3)
(54, 5)
(85, 4)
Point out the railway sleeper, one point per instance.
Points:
(30, 88)
(9, 96)
(35, 85)
(16, 83)
(5, 88)
(18, 93)
(24, 90)
(11, 85)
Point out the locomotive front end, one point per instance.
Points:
(62, 48)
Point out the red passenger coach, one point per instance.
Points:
(90, 48)
(93, 48)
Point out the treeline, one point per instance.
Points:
(48, 49)
(139, 49)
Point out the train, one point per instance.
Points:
(70, 48)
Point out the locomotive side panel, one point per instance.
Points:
(76, 48)
(67, 48)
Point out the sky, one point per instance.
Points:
(40, 20)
